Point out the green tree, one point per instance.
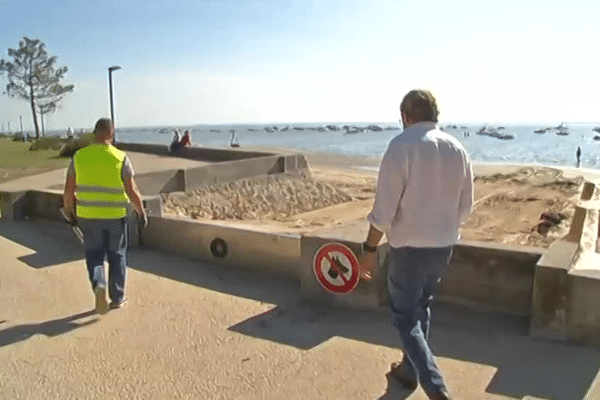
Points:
(34, 76)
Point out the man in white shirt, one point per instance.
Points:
(424, 193)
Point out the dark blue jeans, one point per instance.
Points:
(106, 239)
(413, 276)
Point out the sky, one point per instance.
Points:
(248, 61)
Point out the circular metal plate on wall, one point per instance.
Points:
(218, 248)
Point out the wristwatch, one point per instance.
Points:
(368, 249)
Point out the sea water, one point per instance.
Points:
(371, 139)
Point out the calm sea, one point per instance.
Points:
(548, 148)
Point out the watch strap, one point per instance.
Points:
(369, 249)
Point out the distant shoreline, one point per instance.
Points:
(370, 165)
(382, 124)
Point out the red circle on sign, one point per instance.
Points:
(328, 254)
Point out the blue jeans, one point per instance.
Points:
(106, 239)
(413, 276)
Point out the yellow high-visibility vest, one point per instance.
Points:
(100, 190)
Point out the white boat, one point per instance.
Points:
(561, 126)
(482, 131)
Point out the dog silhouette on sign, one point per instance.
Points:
(333, 272)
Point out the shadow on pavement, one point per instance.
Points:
(525, 366)
(52, 328)
(52, 242)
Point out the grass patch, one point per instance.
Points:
(16, 161)
(47, 143)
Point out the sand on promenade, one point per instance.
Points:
(509, 200)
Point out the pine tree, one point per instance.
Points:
(33, 76)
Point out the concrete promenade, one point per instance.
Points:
(193, 331)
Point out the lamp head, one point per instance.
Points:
(114, 68)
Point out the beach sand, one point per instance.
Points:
(509, 200)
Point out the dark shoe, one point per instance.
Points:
(101, 304)
(442, 394)
(114, 305)
(397, 372)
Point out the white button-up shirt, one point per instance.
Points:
(424, 189)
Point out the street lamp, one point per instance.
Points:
(110, 90)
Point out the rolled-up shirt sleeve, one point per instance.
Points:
(390, 186)
(127, 169)
(466, 196)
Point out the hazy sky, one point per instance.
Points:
(193, 62)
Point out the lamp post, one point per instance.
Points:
(110, 90)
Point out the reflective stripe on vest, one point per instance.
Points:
(110, 204)
(100, 190)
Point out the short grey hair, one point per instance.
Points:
(103, 126)
(420, 105)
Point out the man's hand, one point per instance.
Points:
(69, 216)
(143, 219)
(367, 263)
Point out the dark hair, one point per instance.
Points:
(420, 105)
(103, 126)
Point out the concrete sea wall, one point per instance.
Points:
(557, 288)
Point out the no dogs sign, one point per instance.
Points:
(336, 268)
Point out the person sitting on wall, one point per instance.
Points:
(174, 146)
(186, 140)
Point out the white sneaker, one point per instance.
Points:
(101, 303)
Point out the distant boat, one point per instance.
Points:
(482, 131)
(596, 129)
(541, 130)
(596, 137)
(374, 128)
(507, 136)
(350, 130)
(561, 126)
(561, 129)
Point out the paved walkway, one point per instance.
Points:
(142, 164)
(194, 331)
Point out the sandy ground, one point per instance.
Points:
(341, 189)
(507, 207)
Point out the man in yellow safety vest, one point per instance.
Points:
(98, 188)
